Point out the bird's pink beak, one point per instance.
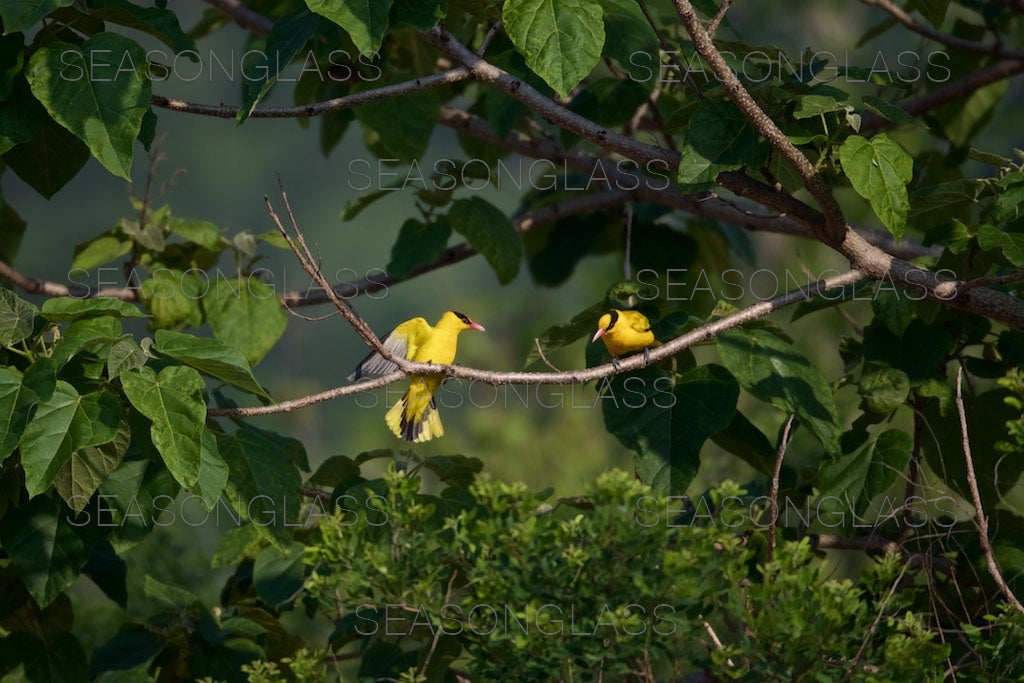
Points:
(477, 326)
(600, 333)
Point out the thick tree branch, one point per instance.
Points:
(703, 333)
(950, 92)
(980, 520)
(946, 39)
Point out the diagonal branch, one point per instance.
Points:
(703, 333)
(835, 225)
(946, 39)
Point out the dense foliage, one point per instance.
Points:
(395, 565)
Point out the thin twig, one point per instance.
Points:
(540, 351)
(980, 520)
(717, 19)
(773, 504)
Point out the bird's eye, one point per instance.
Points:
(463, 318)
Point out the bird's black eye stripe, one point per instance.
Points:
(615, 318)
(463, 318)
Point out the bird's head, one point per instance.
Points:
(459, 322)
(606, 323)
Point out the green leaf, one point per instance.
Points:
(1010, 243)
(12, 230)
(45, 546)
(125, 354)
(561, 40)
(99, 91)
(418, 244)
(64, 308)
(889, 460)
(137, 491)
(172, 297)
(12, 59)
(889, 111)
(361, 203)
(287, 38)
(278, 576)
(213, 471)
(88, 467)
(162, 24)
(210, 356)
(398, 128)
(932, 10)
(773, 371)
(21, 115)
(490, 232)
(844, 478)
(263, 483)
(85, 333)
(50, 159)
(203, 233)
(879, 170)
(917, 352)
(748, 443)
(17, 318)
(100, 250)
(420, 14)
(61, 425)
(173, 402)
(718, 138)
(365, 21)
(665, 426)
(21, 15)
(246, 315)
(885, 390)
(632, 35)
(16, 401)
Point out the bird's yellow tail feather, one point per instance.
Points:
(414, 417)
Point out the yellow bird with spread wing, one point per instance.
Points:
(414, 417)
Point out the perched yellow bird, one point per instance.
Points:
(624, 332)
(414, 417)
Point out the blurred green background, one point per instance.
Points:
(227, 169)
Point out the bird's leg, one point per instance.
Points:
(615, 363)
(647, 357)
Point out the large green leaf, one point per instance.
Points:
(286, 39)
(136, 493)
(172, 297)
(21, 15)
(17, 318)
(560, 39)
(718, 138)
(633, 40)
(85, 334)
(99, 250)
(889, 461)
(16, 401)
(173, 402)
(50, 159)
(418, 244)
(879, 170)
(162, 24)
(364, 20)
(490, 232)
(21, 115)
(62, 424)
(773, 371)
(88, 467)
(211, 356)
(213, 471)
(246, 315)
(278, 576)
(263, 484)
(99, 91)
(63, 308)
(856, 478)
(665, 426)
(46, 546)
(398, 128)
